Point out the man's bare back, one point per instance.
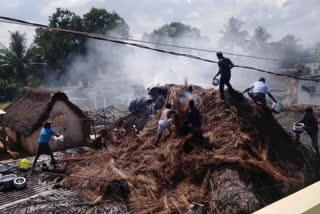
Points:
(166, 114)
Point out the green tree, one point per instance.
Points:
(19, 64)
(102, 22)
(60, 48)
(233, 35)
(175, 33)
(56, 46)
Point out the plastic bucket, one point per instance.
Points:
(299, 127)
(276, 107)
(24, 164)
(215, 81)
(19, 183)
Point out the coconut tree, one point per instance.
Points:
(19, 64)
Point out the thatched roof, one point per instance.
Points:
(28, 112)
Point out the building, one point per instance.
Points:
(25, 117)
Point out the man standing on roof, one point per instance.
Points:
(225, 66)
(193, 118)
(166, 119)
(311, 126)
(257, 91)
(44, 148)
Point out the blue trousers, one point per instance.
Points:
(314, 139)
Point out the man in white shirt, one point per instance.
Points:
(257, 91)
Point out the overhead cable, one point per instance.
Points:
(118, 40)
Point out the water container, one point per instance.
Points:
(24, 164)
(299, 127)
(215, 81)
(276, 107)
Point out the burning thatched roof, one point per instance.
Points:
(28, 112)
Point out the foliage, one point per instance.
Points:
(56, 46)
(19, 64)
(59, 48)
(175, 33)
(233, 35)
(259, 39)
(102, 22)
(8, 92)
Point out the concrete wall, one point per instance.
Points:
(64, 122)
(312, 96)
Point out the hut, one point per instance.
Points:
(25, 116)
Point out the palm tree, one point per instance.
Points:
(19, 64)
(233, 35)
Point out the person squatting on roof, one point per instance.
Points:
(311, 126)
(44, 148)
(193, 119)
(166, 119)
(225, 66)
(257, 91)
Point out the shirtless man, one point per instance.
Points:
(166, 119)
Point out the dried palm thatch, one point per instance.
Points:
(28, 112)
(242, 149)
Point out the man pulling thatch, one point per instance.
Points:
(166, 119)
(257, 91)
(44, 148)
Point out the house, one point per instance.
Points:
(25, 117)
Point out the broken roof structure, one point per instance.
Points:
(244, 161)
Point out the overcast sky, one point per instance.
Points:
(280, 17)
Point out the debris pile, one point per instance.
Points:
(244, 161)
(105, 116)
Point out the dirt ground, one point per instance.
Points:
(243, 161)
(11, 154)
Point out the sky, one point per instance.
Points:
(280, 17)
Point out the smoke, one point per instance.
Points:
(114, 74)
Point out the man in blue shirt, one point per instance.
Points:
(225, 66)
(311, 126)
(43, 148)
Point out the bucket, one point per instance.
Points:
(19, 183)
(299, 127)
(215, 81)
(7, 180)
(24, 164)
(276, 107)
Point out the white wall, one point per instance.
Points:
(65, 122)
(304, 97)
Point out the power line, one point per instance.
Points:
(116, 40)
(22, 22)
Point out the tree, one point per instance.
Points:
(19, 64)
(102, 22)
(259, 38)
(61, 48)
(175, 33)
(233, 35)
(56, 47)
(288, 48)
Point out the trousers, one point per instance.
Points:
(314, 139)
(225, 80)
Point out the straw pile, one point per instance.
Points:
(244, 160)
